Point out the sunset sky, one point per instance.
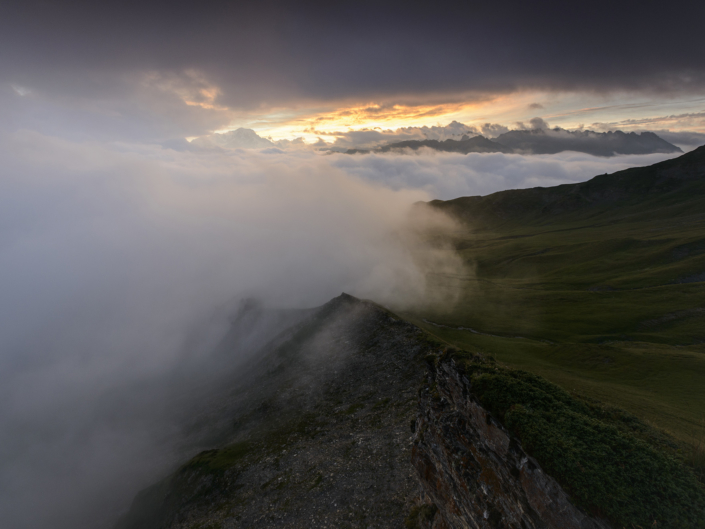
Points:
(149, 72)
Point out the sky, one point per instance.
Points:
(153, 71)
(131, 225)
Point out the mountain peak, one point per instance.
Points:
(543, 140)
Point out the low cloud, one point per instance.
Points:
(235, 139)
(368, 139)
(336, 141)
(450, 175)
(492, 130)
(118, 265)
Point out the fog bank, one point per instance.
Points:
(450, 175)
(121, 266)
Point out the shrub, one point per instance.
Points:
(611, 464)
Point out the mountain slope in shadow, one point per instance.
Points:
(678, 180)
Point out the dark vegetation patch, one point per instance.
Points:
(219, 460)
(688, 250)
(611, 464)
(673, 316)
(692, 278)
(420, 516)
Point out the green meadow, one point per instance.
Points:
(604, 297)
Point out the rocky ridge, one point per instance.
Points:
(475, 473)
(356, 418)
(319, 435)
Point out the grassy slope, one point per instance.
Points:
(610, 463)
(585, 288)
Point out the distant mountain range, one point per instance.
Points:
(543, 141)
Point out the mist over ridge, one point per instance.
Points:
(120, 268)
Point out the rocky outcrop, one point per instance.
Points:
(318, 436)
(475, 473)
(319, 433)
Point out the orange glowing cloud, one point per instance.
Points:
(315, 122)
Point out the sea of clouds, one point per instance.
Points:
(119, 262)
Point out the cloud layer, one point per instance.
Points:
(450, 175)
(118, 264)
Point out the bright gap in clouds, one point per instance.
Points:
(570, 110)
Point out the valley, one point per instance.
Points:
(604, 298)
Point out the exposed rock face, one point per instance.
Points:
(475, 472)
(319, 437)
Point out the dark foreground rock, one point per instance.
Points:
(475, 473)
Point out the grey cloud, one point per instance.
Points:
(129, 108)
(492, 130)
(264, 53)
(538, 124)
(235, 139)
(687, 120)
(300, 145)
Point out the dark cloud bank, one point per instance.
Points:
(337, 50)
(135, 58)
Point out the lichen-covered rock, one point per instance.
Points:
(476, 474)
